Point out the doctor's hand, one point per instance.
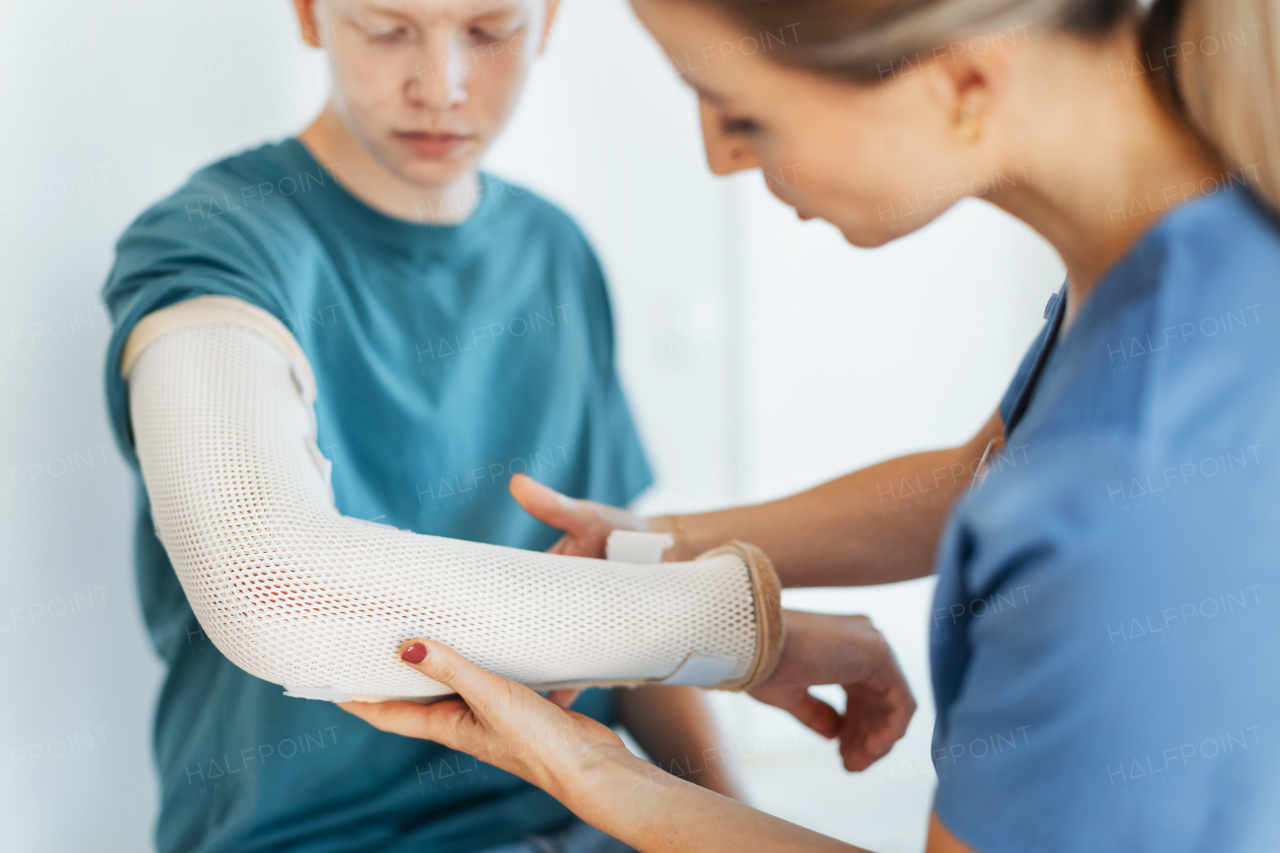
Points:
(494, 719)
(849, 651)
(586, 524)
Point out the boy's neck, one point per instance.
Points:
(351, 164)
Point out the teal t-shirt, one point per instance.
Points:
(446, 359)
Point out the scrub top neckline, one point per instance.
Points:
(1085, 318)
(1057, 310)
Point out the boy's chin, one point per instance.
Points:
(429, 170)
(433, 173)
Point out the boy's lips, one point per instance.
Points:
(431, 143)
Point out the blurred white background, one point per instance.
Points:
(762, 355)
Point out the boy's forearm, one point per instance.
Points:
(675, 727)
(877, 525)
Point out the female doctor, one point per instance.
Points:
(1118, 706)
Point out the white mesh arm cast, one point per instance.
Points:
(222, 409)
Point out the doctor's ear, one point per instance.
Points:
(966, 88)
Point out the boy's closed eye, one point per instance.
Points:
(499, 26)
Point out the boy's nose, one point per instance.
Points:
(440, 75)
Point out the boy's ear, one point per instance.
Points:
(306, 10)
(552, 7)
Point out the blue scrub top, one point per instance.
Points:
(1105, 634)
(446, 358)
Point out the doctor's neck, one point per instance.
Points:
(1111, 159)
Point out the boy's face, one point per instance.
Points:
(426, 85)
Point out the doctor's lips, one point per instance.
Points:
(433, 143)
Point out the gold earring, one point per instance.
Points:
(969, 125)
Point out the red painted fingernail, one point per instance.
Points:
(416, 653)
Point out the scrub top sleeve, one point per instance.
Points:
(617, 435)
(1100, 702)
(1012, 743)
(163, 259)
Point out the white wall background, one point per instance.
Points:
(762, 355)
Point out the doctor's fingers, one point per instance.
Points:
(444, 722)
(496, 704)
(483, 691)
(452, 722)
(563, 697)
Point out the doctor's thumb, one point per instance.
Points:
(445, 666)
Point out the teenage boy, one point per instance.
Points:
(459, 331)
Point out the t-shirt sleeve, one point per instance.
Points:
(627, 473)
(167, 256)
(1107, 690)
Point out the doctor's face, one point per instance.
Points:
(875, 160)
(426, 85)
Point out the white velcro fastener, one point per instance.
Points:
(634, 546)
(701, 670)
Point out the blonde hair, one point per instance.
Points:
(1222, 56)
(1228, 81)
(858, 39)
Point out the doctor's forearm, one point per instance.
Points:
(674, 725)
(654, 811)
(876, 525)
